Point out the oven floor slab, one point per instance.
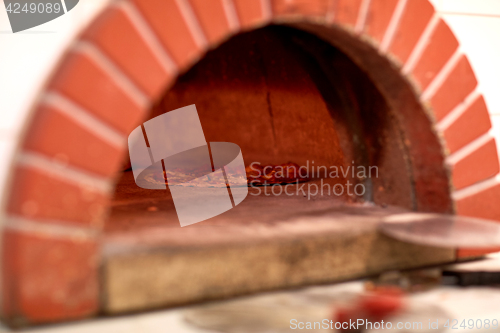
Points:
(265, 243)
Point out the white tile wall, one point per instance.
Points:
(468, 7)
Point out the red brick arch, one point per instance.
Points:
(106, 81)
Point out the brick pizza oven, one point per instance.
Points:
(335, 81)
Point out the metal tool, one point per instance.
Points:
(442, 230)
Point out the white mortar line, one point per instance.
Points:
(50, 228)
(330, 11)
(421, 45)
(149, 36)
(362, 16)
(231, 15)
(192, 23)
(469, 148)
(464, 13)
(63, 172)
(496, 135)
(121, 79)
(267, 10)
(443, 74)
(84, 118)
(393, 26)
(454, 114)
(476, 188)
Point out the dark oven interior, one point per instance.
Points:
(284, 95)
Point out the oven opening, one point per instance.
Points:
(283, 96)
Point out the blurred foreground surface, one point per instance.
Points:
(424, 296)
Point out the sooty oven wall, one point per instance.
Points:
(284, 95)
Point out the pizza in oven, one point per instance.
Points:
(256, 175)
